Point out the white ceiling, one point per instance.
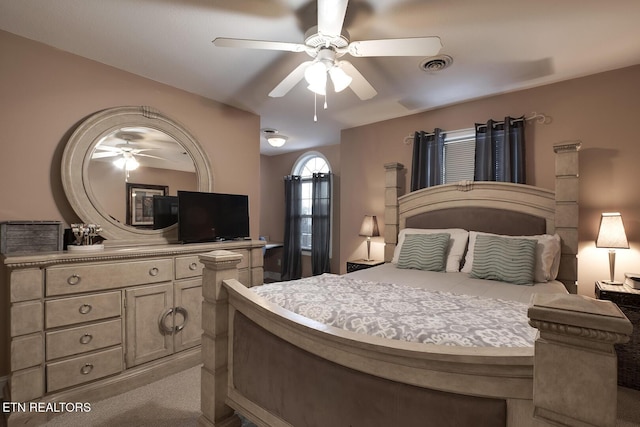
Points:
(497, 46)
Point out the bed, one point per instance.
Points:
(280, 368)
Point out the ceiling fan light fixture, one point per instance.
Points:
(340, 79)
(320, 89)
(125, 162)
(316, 74)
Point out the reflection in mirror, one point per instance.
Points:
(147, 157)
(117, 147)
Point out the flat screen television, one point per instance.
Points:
(209, 217)
(165, 211)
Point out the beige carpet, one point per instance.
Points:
(175, 402)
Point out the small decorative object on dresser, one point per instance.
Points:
(30, 236)
(361, 264)
(86, 237)
(628, 299)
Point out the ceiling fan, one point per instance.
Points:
(125, 152)
(327, 42)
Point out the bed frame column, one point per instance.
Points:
(393, 190)
(566, 216)
(218, 266)
(575, 365)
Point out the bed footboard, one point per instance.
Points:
(280, 369)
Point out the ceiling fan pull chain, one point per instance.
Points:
(315, 107)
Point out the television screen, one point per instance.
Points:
(165, 211)
(207, 217)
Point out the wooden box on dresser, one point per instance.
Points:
(85, 326)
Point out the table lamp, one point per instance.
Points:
(611, 235)
(369, 229)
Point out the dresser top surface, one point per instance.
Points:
(43, 259)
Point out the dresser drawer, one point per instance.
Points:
(86, 308)
(82, 339)
(87, 278)
(188, 266)
(84, 368)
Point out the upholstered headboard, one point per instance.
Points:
(488, 220)
(493, 207)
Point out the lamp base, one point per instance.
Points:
(611, 282)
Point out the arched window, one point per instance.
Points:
(308, 164)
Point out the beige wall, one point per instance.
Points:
(46, 93)
(272, 171)
(600, 110)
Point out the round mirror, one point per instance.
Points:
(122, 163)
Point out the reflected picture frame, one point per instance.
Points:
(140, 203)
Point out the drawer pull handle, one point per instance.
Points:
(74, 279)
(86, 369)
(162, 322)
(154, 271)
(193, 266)
(86, 339)
(185, 315)
(85, 308)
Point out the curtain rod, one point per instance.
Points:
(538, 117)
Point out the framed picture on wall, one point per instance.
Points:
(140, 203)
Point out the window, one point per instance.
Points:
(305, 167)
(459, 156)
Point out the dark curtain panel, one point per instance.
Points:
(321, 223)
(291, 258)
(500, 153)
(428, 159)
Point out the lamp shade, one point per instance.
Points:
(611, 233)
(369, 226)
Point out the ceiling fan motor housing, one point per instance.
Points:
(314, 39)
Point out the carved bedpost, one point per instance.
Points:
(566, 217)
(218, 266)
(393, 189)
(575, 368)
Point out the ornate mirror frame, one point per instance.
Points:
(75, 170)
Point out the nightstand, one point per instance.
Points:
(361, 264)
(628, 299)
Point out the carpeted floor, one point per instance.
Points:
(175, 402)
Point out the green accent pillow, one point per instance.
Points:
(424, 251)
(504, 259)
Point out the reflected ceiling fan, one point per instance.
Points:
(327, 42)
(125, 152)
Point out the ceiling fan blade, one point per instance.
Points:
(331, 16)
(104, 154)
(259, 44)
(359, 85)
(290, 81)
(416, 46)
(108, 148)
(150, 156)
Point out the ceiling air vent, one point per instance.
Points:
(435, 63)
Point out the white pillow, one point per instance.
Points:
(455, 251)
(547, 254)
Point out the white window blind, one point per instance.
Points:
(459, 155)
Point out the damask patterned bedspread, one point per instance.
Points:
(403, 312)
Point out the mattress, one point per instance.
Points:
(415, 306)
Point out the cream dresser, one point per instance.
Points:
(84, 326)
